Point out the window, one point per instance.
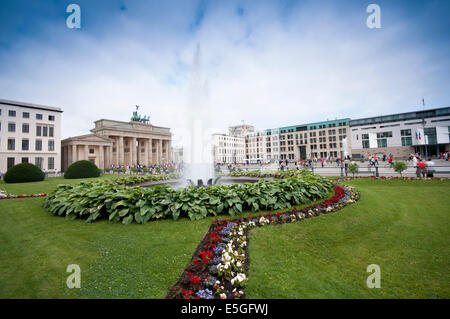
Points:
(384, 134)
(25, 144)
(25, 128)
(405, 132)
(38, 146)
(38, 130)
(51, 145)
(406, 141)
(11, 161)
(365, 140)
(431, 133)
(382, 142)
(50, 131)
(51, 163)
(38, 116)
(91, 151)
(44, 130)
(38, 162)
(12, 113)
(26, 115)
(51, 117)
(11, 144)
(24, 159)
(11, 127)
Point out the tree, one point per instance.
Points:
(353, 168)
(399, 167)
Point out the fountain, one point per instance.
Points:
(197, 148)
(198, 152)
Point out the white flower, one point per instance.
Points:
(238, 264)
(223, 296)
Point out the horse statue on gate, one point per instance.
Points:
(137, 118)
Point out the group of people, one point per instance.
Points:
(423, 168)
(152, 169)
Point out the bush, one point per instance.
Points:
(82, 169)
(399, 167)
(113, 200)
(353, 168)
(24, 172)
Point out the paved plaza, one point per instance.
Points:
(442, 169)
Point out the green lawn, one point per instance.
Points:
(400, 225)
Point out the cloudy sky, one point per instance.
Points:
(268, 63)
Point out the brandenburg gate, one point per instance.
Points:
(119, 143)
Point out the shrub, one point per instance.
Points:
(24, 172)
(399, 167)
(112, 199)
(353, 168)
(82, 169)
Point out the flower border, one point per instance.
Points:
(22, 196)
(219, 266)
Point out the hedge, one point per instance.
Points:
(24, 172)
(82, 169)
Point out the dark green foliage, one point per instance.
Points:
(113, 200)
(82, 169)
(24, 172)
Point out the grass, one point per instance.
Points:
(400, 225)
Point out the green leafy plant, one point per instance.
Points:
(82, 169)
(24, 172)
(353, 168)
(114, 200)
(399, 167)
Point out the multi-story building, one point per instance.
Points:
(305, 141)
(30, 133)
(228, 149)
(426, 132)
(241, 130)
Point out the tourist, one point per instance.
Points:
(421, 169)
(321, 160)
(430, 168)
(414, 160)
(391, 160)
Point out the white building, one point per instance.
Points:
(228, 149)
(426, 132)
(30, 133)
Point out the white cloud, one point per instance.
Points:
(312, 65)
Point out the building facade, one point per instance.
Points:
(306, 141)
(30, 133)
(228, 149)
(120, 144)
(425, 132)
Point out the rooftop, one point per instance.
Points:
(30, 105)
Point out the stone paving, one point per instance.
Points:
(442, 169)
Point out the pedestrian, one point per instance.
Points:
(421, 169)
(430, 168)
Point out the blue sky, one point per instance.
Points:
(269, 63)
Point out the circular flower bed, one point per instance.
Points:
(114, 200)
